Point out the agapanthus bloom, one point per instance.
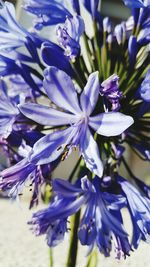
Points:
(47, 12)
(69, 35)
(109, 89)
(57, 85)
(137, 3)
(145, 87)
(8, 115)
(98, 224)
(139, 208)
(12, 34)
(79, 88)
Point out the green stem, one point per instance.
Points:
(73, 249)
(92, 260)
(88, 52)
(97, 47)
(51, 258)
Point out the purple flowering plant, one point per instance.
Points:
(85, 93)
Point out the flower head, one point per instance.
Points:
(97, 224)
(8, 114)
(77, 116)
(47, 12)
(145, 87)
(109, 89)
(139, 209)
(69, 35)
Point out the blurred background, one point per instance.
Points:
(18, 247)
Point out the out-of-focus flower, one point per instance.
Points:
(8, 114)
(91, 6)
(47, 12)
(137, 3)
(139, 209)
(13, 35)
(145, 87)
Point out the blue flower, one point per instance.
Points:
(76, 6)
(8, 114)
(61, 91)
(13, 178)
(120, 32)
(139, 209)
(25, 174)
(13, 35)
(47, 12)
(8, 66)
(69, 35)
(136, 3)
(91, 6)
(145, 87)
(53, 55)
(98, 224)
(109, 88)
(132, 49)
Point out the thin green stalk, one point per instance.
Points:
(51, 258)
(88, 51)
(97, 47)
(77, 75)
(73, 249)
(92, 260)
(46, 200)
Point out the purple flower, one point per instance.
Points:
(13, 35)
(69, 35)
(26, 92)
(76, 6)
(120, 32)
(145, 87)
(98, 224)
(13, 179)
(109, 88)
(47, 12)
(137, 3)
(91, 6)
(8, 65)
(139, 209)
(23, 174)
(107, 25)
(8, 114)
(53, 55)
(61, 91)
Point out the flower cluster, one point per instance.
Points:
(84, 91)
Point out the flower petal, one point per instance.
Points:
(50, 147)
(110, 123)
(45, 115)
(90, 153)
(65, 188)
(60, 89)
(90, 94)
